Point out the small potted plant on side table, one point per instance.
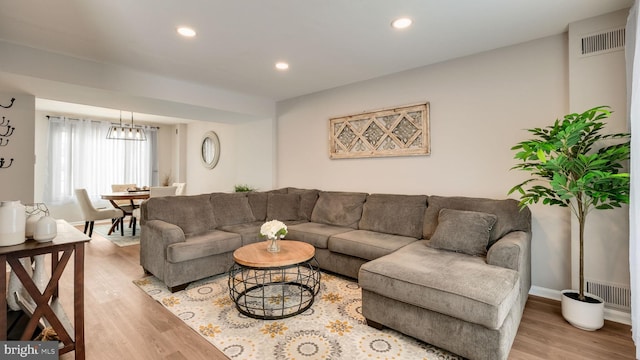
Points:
(570, 168)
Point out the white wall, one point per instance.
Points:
(256, 154)
(601, 80)
(479, 107)
(246, 157)
(17, 181)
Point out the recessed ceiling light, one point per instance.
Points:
(186, 31)
(401, 23)
(282, 66)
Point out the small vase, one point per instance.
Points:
(273, 245)
(46, 229)
(30, 226)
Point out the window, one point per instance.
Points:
(80, 156)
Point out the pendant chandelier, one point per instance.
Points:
(126, 131)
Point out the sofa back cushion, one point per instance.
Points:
(308, 199)
(193, 214)
(463, 231)
(338, 208)
(394, 214)
(231, 208)
(258, 204)
(283, 207)
(509, 216)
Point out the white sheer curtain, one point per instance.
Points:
(633, 96)
(80, 156)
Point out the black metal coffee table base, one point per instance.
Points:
(274, 293)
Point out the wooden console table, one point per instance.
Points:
(68, 241)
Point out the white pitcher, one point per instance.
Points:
(12, 223)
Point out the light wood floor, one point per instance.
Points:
(124, 323)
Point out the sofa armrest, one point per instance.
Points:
(513, 251)
(163, 233)
(509, 250)
(155, 237)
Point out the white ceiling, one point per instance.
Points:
(328, 43)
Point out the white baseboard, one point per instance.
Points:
(617, 316)
(609, 314)
(545, 293)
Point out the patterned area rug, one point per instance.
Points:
(127, 240)
(333, 328)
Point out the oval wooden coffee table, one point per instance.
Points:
(266, 285)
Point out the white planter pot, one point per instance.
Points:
(581, 314)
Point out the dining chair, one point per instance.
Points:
(91, 214)
(125, 205)
(180, 188)
(154, 191)
(122, 188)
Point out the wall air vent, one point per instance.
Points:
(615, 296)
(603, 42)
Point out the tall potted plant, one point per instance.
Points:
(570, 166)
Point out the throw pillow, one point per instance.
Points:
(283, 207)
(510, 217)
(463, 231)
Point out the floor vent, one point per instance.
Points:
(615, 296)
(603, 42)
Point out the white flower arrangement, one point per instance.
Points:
(273, 229)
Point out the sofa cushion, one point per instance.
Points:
(250, 232)
(463, 231)
(339, 208)
(394, 214)
(193, 214)
(314, 233)
(510, 217)
(283, 207)
(231, 208)
(308, 199)
(258, 204)
(203, 245)
(366, 244)
(450, 283)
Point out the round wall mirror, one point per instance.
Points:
(210, 150)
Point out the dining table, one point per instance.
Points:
(114, 197)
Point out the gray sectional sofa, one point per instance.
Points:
(451, 271)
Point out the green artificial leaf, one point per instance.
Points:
(568, 166)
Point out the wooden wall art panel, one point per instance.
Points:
(398, 131)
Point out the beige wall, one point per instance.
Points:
(246, 156)
(601, 80)
(479, 107)
(17, 181)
